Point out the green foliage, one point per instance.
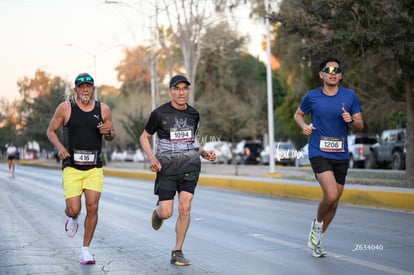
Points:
(231, 87)
(41, 110)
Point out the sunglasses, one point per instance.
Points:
(330, 70)
(84, 78)
(177, 89)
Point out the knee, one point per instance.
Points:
(332, 199)
(184, 209)
(72, 211)
(164, 213)
(92, 208)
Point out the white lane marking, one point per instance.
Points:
(345, 258)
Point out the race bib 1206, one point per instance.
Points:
(332, 144)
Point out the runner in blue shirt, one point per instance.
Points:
(333, 109)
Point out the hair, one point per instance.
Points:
(326, 60)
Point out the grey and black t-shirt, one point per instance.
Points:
(177, 148)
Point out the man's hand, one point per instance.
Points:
(209, 155)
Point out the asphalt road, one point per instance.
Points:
(231, 233)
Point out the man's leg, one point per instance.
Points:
(73, 207)
(91, 219)
(183, 220)
(332, 192)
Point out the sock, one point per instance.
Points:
(318, 225)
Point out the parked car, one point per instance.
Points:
(284, 153)
(389, 150)
(359, 148)
(129, 155)
(139, 156)
(118, 155)
(248, 152)
(222, 149)
(302, 158)
(30, 154)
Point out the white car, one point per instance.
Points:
(302, 158)
(118, 155)
(222, 149)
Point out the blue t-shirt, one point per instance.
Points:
(329, 138)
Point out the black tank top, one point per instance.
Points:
(82, 138)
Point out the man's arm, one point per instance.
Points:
(107, 128)
(57, 121)
(299, 117)
(144, 140)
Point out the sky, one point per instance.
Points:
(67, 37)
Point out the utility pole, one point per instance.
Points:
(270, 117)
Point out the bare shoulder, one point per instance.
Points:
(63, 111)
(105, 108)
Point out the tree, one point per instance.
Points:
(231, 85)
(41, 111)
(133, 104)
(41, 95)
(187, 21)
(375, 44)
(8, 124)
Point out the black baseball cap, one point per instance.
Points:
(177, 79)
(83, 78)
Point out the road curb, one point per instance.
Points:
(392, 198)
(354, 196)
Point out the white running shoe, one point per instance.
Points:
(315, 236)
(71, 227)
(85, 257)
(318, 252)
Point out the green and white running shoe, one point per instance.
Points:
(318, 252)
(315, 236)
(177, 258)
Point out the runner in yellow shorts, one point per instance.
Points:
(85, 122)
(75, 181)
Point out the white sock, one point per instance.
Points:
(318, 224)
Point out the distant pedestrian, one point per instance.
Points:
(177, 160)
(11, 157)
(333, 109)
(85, 121)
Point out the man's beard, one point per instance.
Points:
(85, 99)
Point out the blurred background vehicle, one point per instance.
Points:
(30, 154)
(284, 153)
(222, 149)
(139, 156)
(358, 147)
(389, 150)
(128, 155)
(118, 155)
(302, 158)
(247, 152)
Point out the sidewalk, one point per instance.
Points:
(257, 179)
